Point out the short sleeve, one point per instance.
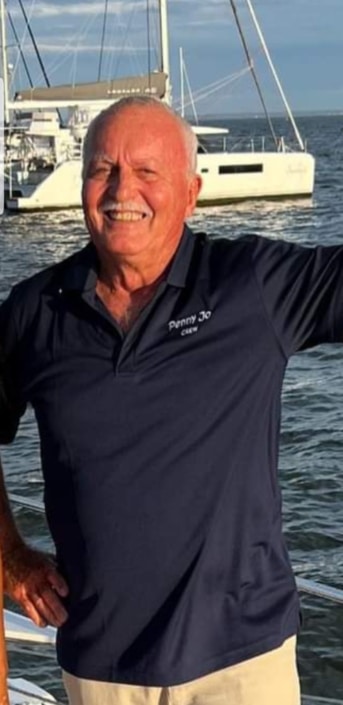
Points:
(302, 292)
(11, 408)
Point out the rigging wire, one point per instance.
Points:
(102, 39)
(21, 44)
(112, 65)
(123, 45)
(217, 85)
(19, 47)
(32, 37)
(148, 42)
(275, 76)
(184, 74)
(128, 28)
(253, 72)
(72, 48)
(27, 22)
(156, 41)
(109, 55)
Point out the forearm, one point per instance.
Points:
(10, 538)
(30, 577)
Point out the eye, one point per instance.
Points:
(147, 171)
(100, 171)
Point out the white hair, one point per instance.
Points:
(190, 138)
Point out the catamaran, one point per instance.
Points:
(43, 157)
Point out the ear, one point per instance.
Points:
(194, 187)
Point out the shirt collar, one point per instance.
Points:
(80, 272)
(180, 263)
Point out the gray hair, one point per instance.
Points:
(190, 138)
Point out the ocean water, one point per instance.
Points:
(311, 454)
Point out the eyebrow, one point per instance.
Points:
(140, 161)
(101, 158)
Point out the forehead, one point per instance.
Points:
(146, 130)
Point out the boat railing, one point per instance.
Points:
(312, 587)
(243, 143)
(69, 152)
(76, 151)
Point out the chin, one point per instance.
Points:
(118, 246)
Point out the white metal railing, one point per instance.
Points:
(258, 143)
(311, 587)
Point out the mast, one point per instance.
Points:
(276, 78)
(164, 53)
(4, 60)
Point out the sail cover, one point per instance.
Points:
(153, 84)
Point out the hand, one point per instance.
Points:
(31, 580)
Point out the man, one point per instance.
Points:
(154, 361)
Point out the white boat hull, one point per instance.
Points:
(226, 178)
(255, 175)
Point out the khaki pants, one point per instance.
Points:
(270, 679)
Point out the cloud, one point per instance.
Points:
(80, 9)
(48, 47)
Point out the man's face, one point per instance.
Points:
(137, 190)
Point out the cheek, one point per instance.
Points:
(86, 197)
(166, 200)
(91, 194)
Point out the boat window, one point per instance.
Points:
(240, 168)
(204, 171)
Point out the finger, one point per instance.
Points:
(45, 612)
(58, 583)
(34, 614)
(51, 608)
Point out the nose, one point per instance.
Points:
(121, 183)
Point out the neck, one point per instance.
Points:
(130, 273)
(125, 291)
(125, 275)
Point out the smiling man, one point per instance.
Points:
(139, 186)
(154, 359)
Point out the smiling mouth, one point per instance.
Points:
(127, 216)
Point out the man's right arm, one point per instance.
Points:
(30, 577)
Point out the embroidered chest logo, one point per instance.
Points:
(190, 324)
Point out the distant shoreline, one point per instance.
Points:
(261, 116)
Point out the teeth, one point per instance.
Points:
(127, 215)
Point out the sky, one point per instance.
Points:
(304, 38)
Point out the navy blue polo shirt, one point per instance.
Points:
(159, 450)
